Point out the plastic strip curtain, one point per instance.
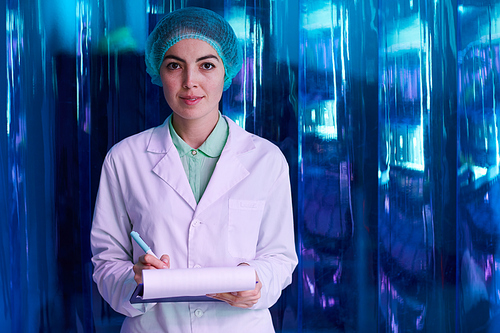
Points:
(478, 189)
(28, 241)
(385, 110)
(417, 166)
(338, 166)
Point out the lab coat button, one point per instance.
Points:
(195, 223)
(198, 313)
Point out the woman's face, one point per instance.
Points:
(192, 74)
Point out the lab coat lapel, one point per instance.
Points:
(229, 170)
(169, 168)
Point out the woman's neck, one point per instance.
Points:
(194, 132)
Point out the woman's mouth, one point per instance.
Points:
(191, 100)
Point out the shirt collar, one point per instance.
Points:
(212, 146)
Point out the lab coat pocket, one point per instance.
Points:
(243, 227)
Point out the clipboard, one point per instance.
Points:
(191, 284)
(137, 298)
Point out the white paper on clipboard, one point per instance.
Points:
(165, 283)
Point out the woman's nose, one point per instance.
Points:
(190, 78)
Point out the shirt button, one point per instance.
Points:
(195, 223)
(198, 313)
(194, 152)
(196, 266)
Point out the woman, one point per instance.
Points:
(199, 190)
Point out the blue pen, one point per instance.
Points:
(142, 244)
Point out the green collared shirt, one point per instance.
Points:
(199, 164)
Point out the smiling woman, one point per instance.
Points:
(192, 75)
(199, 189)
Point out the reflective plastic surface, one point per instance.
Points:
(385, 110)
(417, 164)
(337, 180)
(478, 160)
(29, 278)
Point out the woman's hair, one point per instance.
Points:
(193, 23)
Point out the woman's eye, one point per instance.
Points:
(207, 65)
(173, 65)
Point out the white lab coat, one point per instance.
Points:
(245, 215)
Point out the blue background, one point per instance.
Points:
(385, 110)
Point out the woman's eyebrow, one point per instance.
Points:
(169, 56)
(210, 56)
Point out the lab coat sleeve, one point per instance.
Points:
(111, 245)
(276, 257)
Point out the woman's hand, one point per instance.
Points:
(241, 299)
(148, 261)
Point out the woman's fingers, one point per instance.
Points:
(241, 299)
(166, 260)
(237, 300)
(148, 261)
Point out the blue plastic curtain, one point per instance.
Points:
(385, 111)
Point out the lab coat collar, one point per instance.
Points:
(228, 172)
(160, 141)
(169, 167)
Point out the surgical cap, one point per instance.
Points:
(193, 23)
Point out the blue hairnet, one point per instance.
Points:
(193, 23)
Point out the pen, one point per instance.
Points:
(142, 244)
